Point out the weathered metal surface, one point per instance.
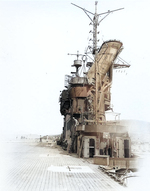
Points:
(106, 128)
(100, 78)
(78, 92)
(118, 163)
(78, 106)
(126, 163)
(105, 58)
(78, 80)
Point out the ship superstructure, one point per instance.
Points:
(86, 99)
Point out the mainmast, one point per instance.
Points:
(95, 22)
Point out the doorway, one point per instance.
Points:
(126, 148)
(91, 147)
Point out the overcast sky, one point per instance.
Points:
(35, 38)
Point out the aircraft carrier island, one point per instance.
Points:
(85, 104)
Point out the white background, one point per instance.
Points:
(35, 38)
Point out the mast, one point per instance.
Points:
(95, 22)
